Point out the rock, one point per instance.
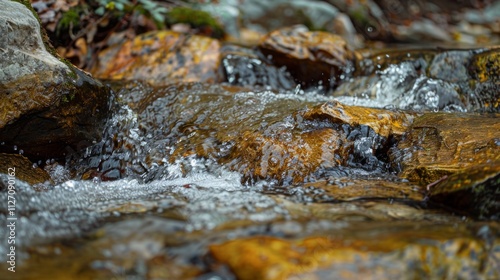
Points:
(367, 17)
(243, 67)
(22, 169)
(201, 21)
(434, 251)
(262, 135)
(474, 191)
(115, 246)
(161, 58)
(313, 58)
(266, 16)
(485, 66)
(48, 108)
(425, 80)
(441, 144)
(322, 137)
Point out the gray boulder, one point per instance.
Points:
(48, 107)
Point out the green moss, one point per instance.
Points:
(195, 18)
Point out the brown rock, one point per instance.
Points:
(22, 169)
(310, 57)
(160, 58)
(362, 253)
(262, 135)
(383, 122)
(441, 144)
(474, 191)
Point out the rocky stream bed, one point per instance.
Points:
(300, 156)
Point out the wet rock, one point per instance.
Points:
(442, 144)
(344, 189)
(473, 191)
(313, 58)
(160, 58)
(115, 249)
(22, 168)
(367, 17)
(265, 16)
(485, 66)
(48, 108)
(425, 80)
(262, 135)
(322, 137)
(243, 67)
(200, 21)
(434, 251)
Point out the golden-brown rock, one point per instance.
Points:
(22, 168)
(160, 58)
(433, 252)
(439, 144)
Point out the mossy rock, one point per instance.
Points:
(48, 107)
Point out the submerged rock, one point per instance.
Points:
(441, 144)
(313, 58)
(48, 108)
(161, 58)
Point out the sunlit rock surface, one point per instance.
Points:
(48, 108)
(161, 58)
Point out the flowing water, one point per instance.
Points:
(160, 202)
